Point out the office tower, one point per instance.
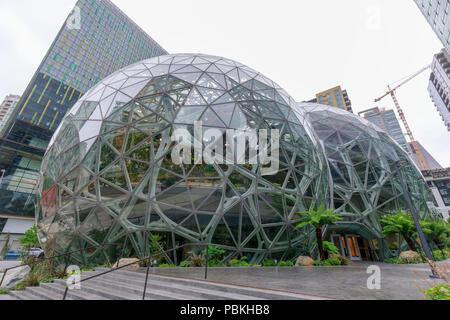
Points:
(7, 107)
(430, 162)
(439, 182)
(386, 120)
(437, 13)
(439, 86)
(96, 40)
(335, 97)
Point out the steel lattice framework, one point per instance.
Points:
(361, 159)
(108, 177)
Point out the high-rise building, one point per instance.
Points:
(386, 120)
(429, 161)
(96, 40)
(7, 107)
(437, 13)
(439, 86)
(439, 183)
(335, 97)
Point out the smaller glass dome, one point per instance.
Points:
(361, 159)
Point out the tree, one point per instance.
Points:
(30, 239)
(402, 224)
(318, 219)
(437, 231)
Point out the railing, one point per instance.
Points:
(38, 260)
(149, 265)
(147, 259)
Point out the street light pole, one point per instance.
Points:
(415, 217)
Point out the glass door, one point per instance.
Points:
(339, 242)
(353, 247)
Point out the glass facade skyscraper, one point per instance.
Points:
(439, 85)
(97, 39)
(437, 13)
(386, 120)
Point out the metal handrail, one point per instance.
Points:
(148, 259)
(38, 260)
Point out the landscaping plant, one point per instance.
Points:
(402, 224)
(30, 239)
(318, 219)
(436, 231)
(440, 292)
(214, 256)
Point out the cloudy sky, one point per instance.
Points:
(305, 46)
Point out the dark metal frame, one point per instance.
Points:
(415, 216)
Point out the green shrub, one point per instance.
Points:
(333, 262)
(269, 263)
(328, 263)
(215, 263)
(4, 291)
(343, 260)
(20, 286)
(441, 292)
(396, 260)
(239, 263)
(439, 256)
(214, 253)
(330, 248)
(286, 264)
(167, 266)
(185, 264)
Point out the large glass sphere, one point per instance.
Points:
(109, 182)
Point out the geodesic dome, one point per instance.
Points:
(108, 180)
(361, 159)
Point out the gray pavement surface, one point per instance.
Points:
(398, 282)
(8, 264)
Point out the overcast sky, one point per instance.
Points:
(305, 46)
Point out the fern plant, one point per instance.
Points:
(318, 219)
(402, 224)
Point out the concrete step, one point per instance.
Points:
(254, 293)
(186, 289)
(59, 286)
(129, 285)
(119, 291)
(23, 295)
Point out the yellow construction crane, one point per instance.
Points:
(391, 92)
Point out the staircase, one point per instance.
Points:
(129, 285)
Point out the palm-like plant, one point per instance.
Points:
(318, 219)
(402, 224)
(436, 231)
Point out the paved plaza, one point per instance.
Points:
(398, 282)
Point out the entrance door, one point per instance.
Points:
(348, 245)
(353, 247)
(339, 242)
